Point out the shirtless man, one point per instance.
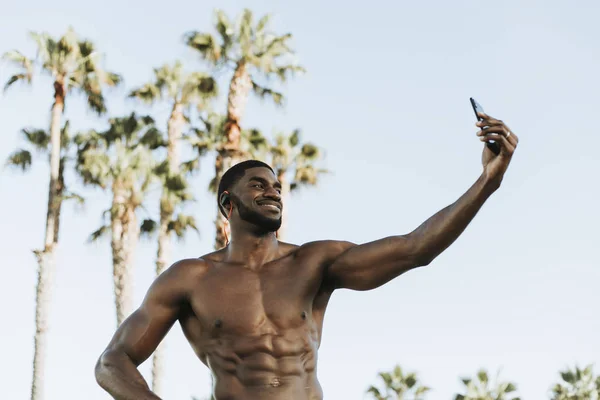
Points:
(253, 311)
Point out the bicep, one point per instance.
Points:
(141, 333)
(370, 265)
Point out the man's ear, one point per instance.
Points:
(225, 202)
(225, 198)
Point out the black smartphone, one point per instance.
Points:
(493, 146)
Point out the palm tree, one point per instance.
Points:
(482, 389)
(38, 140)
(398, 386)
(120, 158)
(74, 65)
(577, 384)
(182, 91)
(294, 164)
(254, 54)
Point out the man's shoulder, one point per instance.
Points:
(326, 248)
(183, 272)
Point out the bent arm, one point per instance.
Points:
(367, 266)
(116, 370)
(138, 337)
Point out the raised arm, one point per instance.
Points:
(140, 334)
(370, 265)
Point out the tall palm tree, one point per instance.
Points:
(73, 65)
(294, 164)
(120, 159)
(398, 385)
(38, 141)
(255, 55)
(482, 389)
(181, 91)
(577, 384)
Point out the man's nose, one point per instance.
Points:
(273, 193)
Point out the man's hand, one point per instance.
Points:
(495, 165)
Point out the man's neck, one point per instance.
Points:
(252, 249)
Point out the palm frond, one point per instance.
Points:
(112, 79)
(276, 46)
(80, 200)
(483, 376)
(245, 32)
(294, 138)
(410, 380)
(148, 93)
(96, 102)
(188, 167)
(199, 87)
(175, 183)
(20, 159)
(20, 61)
(16, 78)
(309, 152)
(153, 138)
(262, 25)
(225, 29)
(264, 93)
(181, 224)
(148, 227)
(282, 72)
(65, 135)
(99, 233)
(212, 185)
(45, 47)
(255, 143)
(422, 390)
(206, 45)
(39, 138)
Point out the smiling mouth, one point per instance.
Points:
(271, 206)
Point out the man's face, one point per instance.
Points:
(258, 199)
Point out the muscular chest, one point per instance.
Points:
(236, 300)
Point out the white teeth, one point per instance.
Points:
(270, 206)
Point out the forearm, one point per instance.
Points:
(443, 228)
(118, 375)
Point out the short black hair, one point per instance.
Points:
(234, 174)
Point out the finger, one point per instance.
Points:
(513, 139)
(500, 129)
(501, 140)
(489, 118)
(489, 122)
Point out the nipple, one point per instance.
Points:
(275, 382)
(218, 323)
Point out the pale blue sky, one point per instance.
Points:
(386, 94)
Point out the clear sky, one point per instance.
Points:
(386, 94)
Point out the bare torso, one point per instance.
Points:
(258, 329)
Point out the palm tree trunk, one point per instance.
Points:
(125, 232)
(285, 196)
(45, 257)
(239, 89)
(174, 131)
(231, 153)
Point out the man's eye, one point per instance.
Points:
(258, 185)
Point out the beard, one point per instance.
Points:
(255, 218)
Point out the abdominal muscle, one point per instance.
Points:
(274, 367)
